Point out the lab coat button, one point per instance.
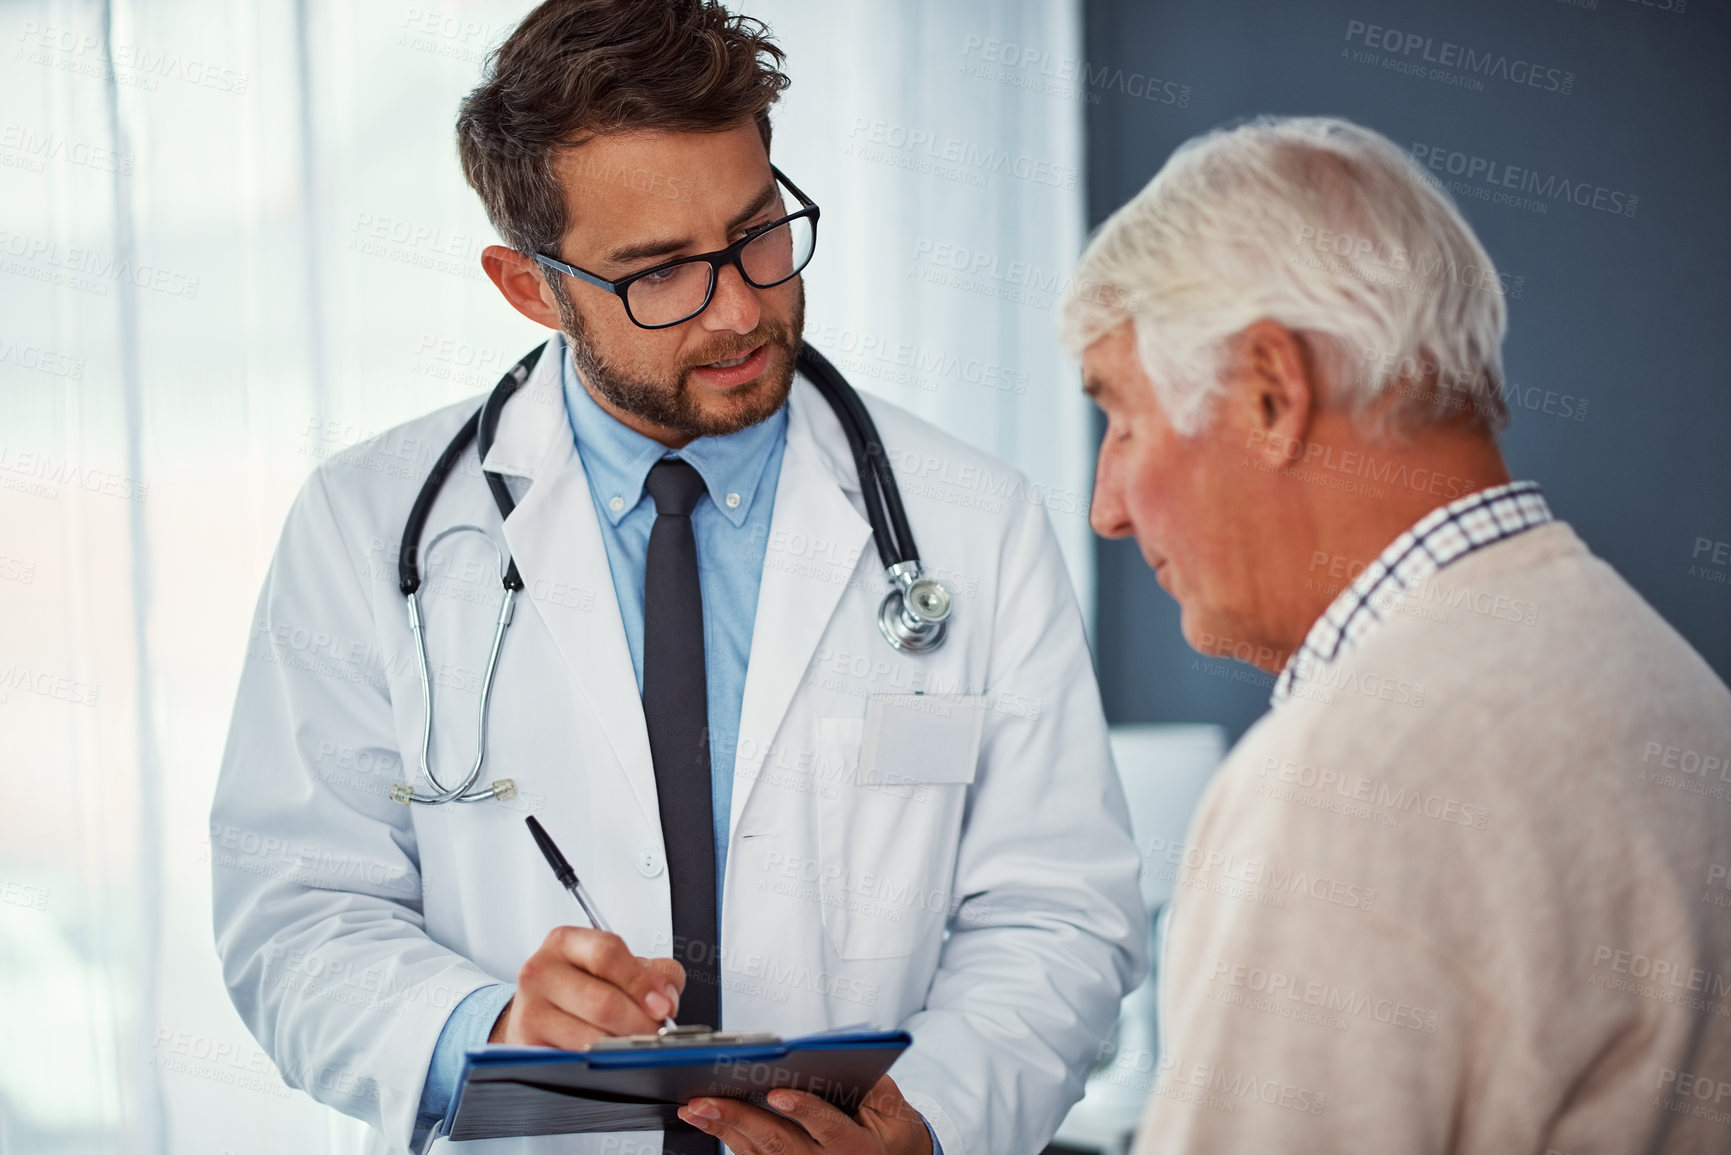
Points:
(649, 862)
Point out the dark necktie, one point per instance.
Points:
(676, 711)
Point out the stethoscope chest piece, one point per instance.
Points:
(915, 615)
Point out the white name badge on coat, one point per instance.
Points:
(920, 738)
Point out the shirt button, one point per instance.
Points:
(649, 862)
(617, 504)
(733, 501)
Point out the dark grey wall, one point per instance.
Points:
(1620, 317)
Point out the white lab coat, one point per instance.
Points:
(349, 926)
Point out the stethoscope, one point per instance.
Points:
(913, 617)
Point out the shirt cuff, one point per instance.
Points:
(469, 1025)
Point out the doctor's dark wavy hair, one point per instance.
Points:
(575, 69)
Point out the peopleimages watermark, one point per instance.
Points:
(16, 569)
(1467, 174)
(459, 363)
(362, 662)
(955, 158)
(1428, 383)
(24, 895)
(244, 1067)
(1317, 682)
(42, 474)
(1431, 598)
(1718, 874)
(421, 245)
(443, 34)
(41, 360)
(134, 66)
(238, 848)
(1391, 471)
(911, 363)
(1664, 980)
(1449, 62)
(1224, 1088)
(1689, 1093)
(652, 183)
(1143, 1070)
(1312, 1000)
(887, 897)
(85, 269)
(1385, 799)
(1262, 881)
(766, 976)
(1039, 70)
(27, 149)
(1693, 771)
(363, 984)
(982, 271)
(1393, 265)
(1710, 561)
(22, 678)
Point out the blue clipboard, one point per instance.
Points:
(510, 1091)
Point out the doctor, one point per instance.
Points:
(790, 824)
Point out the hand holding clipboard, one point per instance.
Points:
(641, 1081)
(541, 1091)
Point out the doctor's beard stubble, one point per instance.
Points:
(670, 404)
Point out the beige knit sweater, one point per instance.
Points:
(1468, 892)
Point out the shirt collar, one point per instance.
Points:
(618, 458)
(1443, 535)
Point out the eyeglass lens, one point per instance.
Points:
(680, 291)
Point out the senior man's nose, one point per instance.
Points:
(1107, 513)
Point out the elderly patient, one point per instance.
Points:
(1462, 888)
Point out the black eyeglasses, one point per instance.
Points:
(675, 291)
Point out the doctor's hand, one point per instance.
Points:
(585, 984)
(885, 1125)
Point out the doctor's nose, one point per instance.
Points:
(734, 306)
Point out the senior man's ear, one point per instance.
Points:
(1274, 385)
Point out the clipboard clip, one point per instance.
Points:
(691, 1035)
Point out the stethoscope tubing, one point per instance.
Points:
(901, 626)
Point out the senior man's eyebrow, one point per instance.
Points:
(1093, 386)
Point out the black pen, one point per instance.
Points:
(569, 880)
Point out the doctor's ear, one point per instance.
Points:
(1272, 383)
(521, 281)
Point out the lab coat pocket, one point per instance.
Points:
(891, 821)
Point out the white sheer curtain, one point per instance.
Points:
(234, 239)
(951, 184)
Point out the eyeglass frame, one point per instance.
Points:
(717, 260)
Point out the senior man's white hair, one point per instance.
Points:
(1322, 226)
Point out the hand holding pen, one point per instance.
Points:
(583, 983)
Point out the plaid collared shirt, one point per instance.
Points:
(1442, 536)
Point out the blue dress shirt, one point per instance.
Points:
(740, 472)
